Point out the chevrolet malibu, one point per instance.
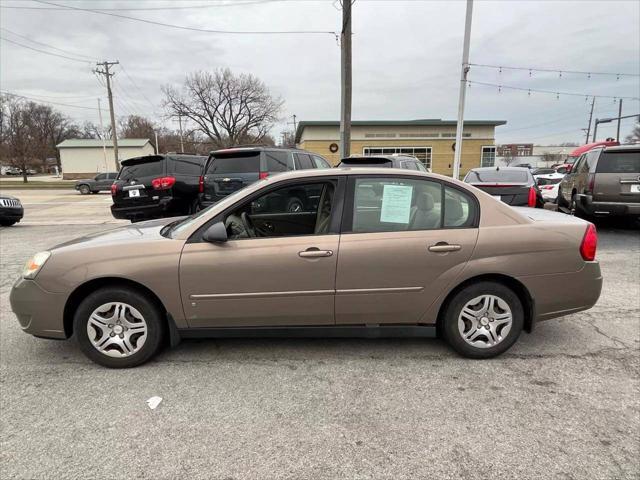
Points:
(374, 252)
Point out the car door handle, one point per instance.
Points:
(441, 247)
(315, 253)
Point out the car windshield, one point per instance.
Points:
(242, 162)
(146, 168)
(496, 176)
(174, 228)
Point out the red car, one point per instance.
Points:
(573, 156)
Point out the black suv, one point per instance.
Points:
(157, 186)
(231, 169)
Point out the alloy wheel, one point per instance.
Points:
(485, 321)
(116, 329)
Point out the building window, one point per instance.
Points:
(380, 135)
(421, 153)
(488, 156)
(453, 135)
(419, 135)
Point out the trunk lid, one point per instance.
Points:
(134, 187)
(510, 193)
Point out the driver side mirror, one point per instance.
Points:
(216, 233)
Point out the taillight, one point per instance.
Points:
(114, 189)
(163, 183)
(201, 184)
(263, 175)
(547, 187)
(589, 243)
(531, 201)
(592, 182)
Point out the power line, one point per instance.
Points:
(193, 29)
(47, 45)
(43, 101)
(83, 97)
(551, 92)
(133, 9)
(547, 122)
(137, 87)
(43, 51)
(555, 70)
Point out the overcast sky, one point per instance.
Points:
(406, 57)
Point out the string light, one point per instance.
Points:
(550, 92)
(559, 71)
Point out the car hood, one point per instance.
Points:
(148, 230)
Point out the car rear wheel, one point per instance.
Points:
(7, 223)
(483, 320)
(84, 189)
(118, 327)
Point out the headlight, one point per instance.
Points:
(34, 264)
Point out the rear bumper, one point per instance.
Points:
(142, 212)
(608, 208)
(560, 294)
(39, 312)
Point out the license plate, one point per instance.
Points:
(497, 197)
(134, 193)
(635, 188)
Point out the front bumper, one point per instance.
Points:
(142, 212)
(590, 207)
(39, 312)
(13, 214)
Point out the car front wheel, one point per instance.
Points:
(118, 327)
(84, 189)
(483, 320)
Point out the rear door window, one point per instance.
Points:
(619, 162)
(188, 166)
(240, 163)
(146, 168)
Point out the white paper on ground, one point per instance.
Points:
(153, 402)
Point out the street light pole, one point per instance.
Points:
(463, 90)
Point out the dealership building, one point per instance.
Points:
(430, 140)
(83, 158)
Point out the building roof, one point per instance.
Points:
(432, 122)
(97, 143)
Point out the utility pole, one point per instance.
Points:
(345, 80)
(114, 135)
(463, 90)
(593, 102)
(295, 128)
(619, 118)
(104, 145)
(155, 132)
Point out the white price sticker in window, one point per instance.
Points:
(396, 204)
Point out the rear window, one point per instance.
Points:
(147, 168)
(496, 176)
(548, 181)
(619, 162)
(188, 166)
(245, 162)
(355, 162)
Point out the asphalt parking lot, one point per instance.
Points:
(564, 402)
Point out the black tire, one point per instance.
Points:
(149, 310)
(561, 201)
(95, 191)
(295, 205)
(7, 223)
(84, 189)
(194, 207)
(450, 319)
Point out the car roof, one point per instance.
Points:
(366, 158)
(623, 148)
(500, 169)
(590, 146)
(256, 148)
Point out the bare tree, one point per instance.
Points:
(634, 136)
(18, 139)
(229, 109)
(508, 158)
(135, 126)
